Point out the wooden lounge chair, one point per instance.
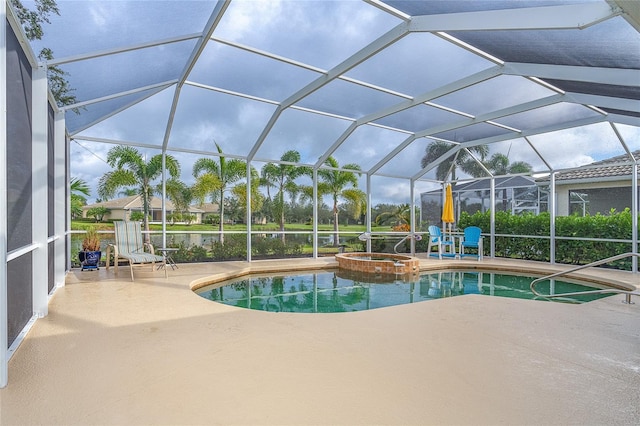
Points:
(130, 246)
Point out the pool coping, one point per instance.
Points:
(589, 275)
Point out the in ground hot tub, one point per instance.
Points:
(378, 263)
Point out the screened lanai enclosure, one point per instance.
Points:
(376, 102)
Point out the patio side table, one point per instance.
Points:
(166, 253)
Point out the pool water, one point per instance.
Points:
(328, 291)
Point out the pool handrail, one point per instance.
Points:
(416, 237)
(628, 293)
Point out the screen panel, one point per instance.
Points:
(19, 136)
(19, 191)
(19, 295)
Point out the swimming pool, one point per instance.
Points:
(337, 291)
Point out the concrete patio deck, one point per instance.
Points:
(116, 352)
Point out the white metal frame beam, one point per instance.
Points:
(538, 130)
(39, 191)
(266, 101)
(598, 75)
(159, 88)
(630, 12)
(493, 115)
(533, 18)
(500, 138)
(418, 100)
(156, 147)
(214, 20)
(4, 332)
(624, 119)
(118, 50)
(362, 55)
(17, 28)
(60, 197)
(388, 9)
(620, 104)
(307, 67)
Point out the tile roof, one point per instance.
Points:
(610, 167)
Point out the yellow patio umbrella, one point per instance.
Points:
(447, 209)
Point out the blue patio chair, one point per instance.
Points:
(436, 239)
(472, 239)
(130, 246)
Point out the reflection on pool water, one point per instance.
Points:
(337, 291)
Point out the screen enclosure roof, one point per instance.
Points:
(554, 83)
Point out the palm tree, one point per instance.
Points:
(282, 177)
(436, 149)
(240, 192)
(401, 215)
(79, 191)
(180, 194)
(215, 178)
(341, 184)
(128, 192)
(499, 165)
(133, 170)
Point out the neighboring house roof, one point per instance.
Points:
(605, 169)
(209, 207)
(134, 202)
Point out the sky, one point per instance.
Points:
(318, 35)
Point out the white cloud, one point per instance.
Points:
(248, 16)
(389, 190)
(100, 16)
(579, 146)
(88, 162)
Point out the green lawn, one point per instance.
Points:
(81, 225)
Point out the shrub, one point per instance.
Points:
(136, 216)
(189, 254)
(616, 225)
(262, 246)
(98, 213)
(211, 219)
(234, 247)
